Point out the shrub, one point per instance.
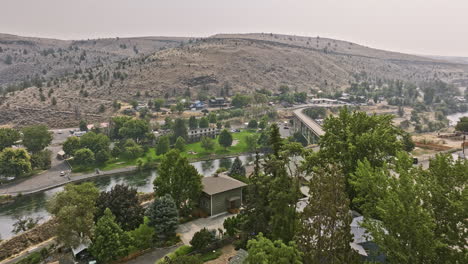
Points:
(202, 239)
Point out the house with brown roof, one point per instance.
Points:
(221, 194)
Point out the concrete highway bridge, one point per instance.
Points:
(310, 129)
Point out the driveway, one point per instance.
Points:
(188, 229)
(152, 256)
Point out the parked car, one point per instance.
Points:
(62, 173)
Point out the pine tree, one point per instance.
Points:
(110, 242)
(324, 234)
(163, 216)
(163, 145)
(237, 168)
(180, 144)
(225, 139)
(193, 122)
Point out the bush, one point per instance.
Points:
(252, 124)
(202, 239)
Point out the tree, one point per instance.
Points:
(405, 224)
(202, 239)
(193, 123)
(24, 223)
(180, 129)
(143, 236)
(407, 141)
(446, 198)
(102, 156)
(124, 204)
(8, 59)
(178, 178)
(135, 129)
(54, 101)
(324, 234)
(284, 89)
(180, 144)
(212, 118)
(225, 138)
(36, 138)
(207, 143)
(83, 125)
(15, 162)
(263, 251)
(158, 103)
(42, 159)
(71, 145)
(131, 150)
(109, 242)
(239, 101)
(95, 142)
(84, 157)
(116, 124)
(163, 217)
(353, 136)
(219, 125)
(252, 142)
(462, 125)
(8, 137)
(204, 122)
(74, 210)
(237, 168)
(252, 124)
(163, 145)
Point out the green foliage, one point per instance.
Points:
(316, 112)
(116, 124)
(71, 145)
(207, 143)
(94, 142)
(178, 178)
(232, 225)
(163, 217)
(83, 125)
(84, 157)
(131, 150)
(163, 145)
(124, 204)
(462, 125)
(212, 118)
(252, 142)
(354, 136)
(408, 144)
(264, 251)
(193, 122)
(252, 124)
(239, 101)
(15, 162)
(143, 236)
(36, 138)
(237, 168)
(8, 136)
(325, 223)
(180, 129)
(180, 144)
(202, 239)
(102, 156)
(225, 138)
(42, 160)
(204, 123)
(135, 129)
(158, 103)
(74, 210)
(109, 242)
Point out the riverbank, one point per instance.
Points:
(28, 187)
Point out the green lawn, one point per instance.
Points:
(195, 150)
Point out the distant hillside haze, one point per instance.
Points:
(86, 74)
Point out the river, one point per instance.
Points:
(454, 118)
(34, 205)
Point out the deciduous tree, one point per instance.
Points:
(262, 250)
(8, 137)
(225, 139)
(36, 138)
(15, 162)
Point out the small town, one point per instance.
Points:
(233, 148)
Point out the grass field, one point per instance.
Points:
(195, 149)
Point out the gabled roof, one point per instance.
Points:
(213, 185)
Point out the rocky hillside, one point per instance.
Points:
(241, 63)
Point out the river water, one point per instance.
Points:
(454, 118)
(34, 205)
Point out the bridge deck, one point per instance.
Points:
(316, 128)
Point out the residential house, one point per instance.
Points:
(221, 194)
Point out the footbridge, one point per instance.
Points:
(310, 129)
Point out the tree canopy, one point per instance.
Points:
(8, 136)
(225, 138)
(163, 216)
(15, 162)
(36, 138)
(264, 251)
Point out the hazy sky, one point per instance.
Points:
(437, 27)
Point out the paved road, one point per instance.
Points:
(46, 178)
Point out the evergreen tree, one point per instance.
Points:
(180, 144)
(109, 242)
(274, 138)
(237, 168)
(193, 122)
(324, 234)
(124, 205)
(163, 145)
(83, 125)
(204, 122)
(207, 143)
(180, 129)
(163, 217)
(178, 178)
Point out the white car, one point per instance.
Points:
(62, 173)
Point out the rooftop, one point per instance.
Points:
(213, 185)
